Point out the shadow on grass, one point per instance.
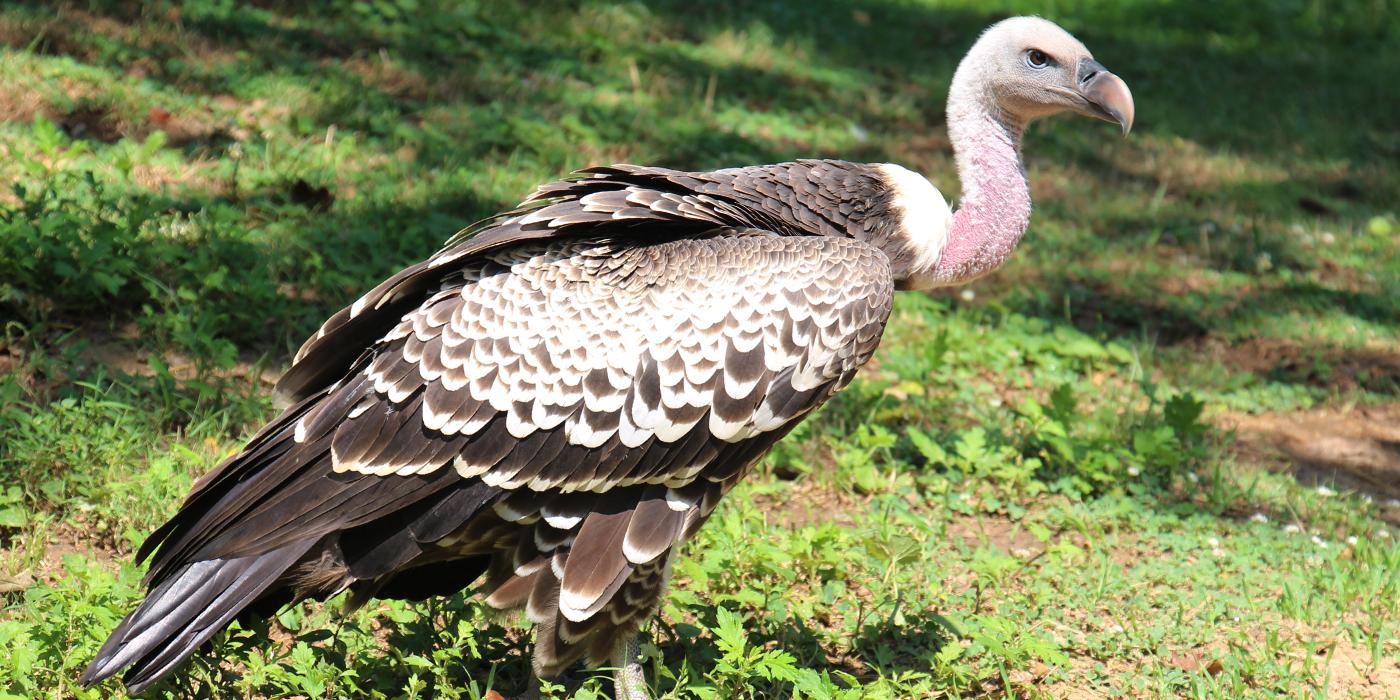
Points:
(255, 290)
(1199, 73)
(1202, 72)
(880, 649)
(452, 645)
(466, 651)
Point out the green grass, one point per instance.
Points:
(1030, 492)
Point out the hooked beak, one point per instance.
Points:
(1105, 95)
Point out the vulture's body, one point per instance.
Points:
(548, 407)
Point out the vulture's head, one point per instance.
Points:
(1030, 68)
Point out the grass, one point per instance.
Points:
(1036, 490)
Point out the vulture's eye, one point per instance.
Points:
(1035, 58)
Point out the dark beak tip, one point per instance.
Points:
(1111, 96)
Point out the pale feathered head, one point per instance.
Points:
(1028, 68)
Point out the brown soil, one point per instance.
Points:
(69, 539)
(1352, 675)
(998, 532)
(63, 540)
(120, 350)
(1349, 673)
(1375, 369)
(810, 503)
(1349, 448)
(85, 109)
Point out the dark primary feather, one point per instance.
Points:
(183, 612)
(551, 403)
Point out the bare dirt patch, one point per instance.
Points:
(999, 532)
(52, 546)
(396, 79)
(121, 350)
(70, 539)
(1351, 670)
(1375, 369)
(1346, 669)
(809, 503)
(92, 121)
(1075, 683)
(118, 349)
(1352, 673)
(1351, 448)
(90, 109)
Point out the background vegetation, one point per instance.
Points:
(1148, 458)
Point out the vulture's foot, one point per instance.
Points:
(629, 681)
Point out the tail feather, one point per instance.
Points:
(184, 611)
(237, 544)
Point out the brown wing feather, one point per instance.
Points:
(653, 528)
(596, 561)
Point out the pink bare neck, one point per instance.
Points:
(996, 200)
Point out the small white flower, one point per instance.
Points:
(1191, 477)
(1291, 529)
(1133, 470)
(1116, 628)
(1319, 541)
(995, 401)
(1328, 238)
(1258, 518)
(1383, 533)
(1351, 540)
(1213, 542)
(1217, 553)
(967, 295)
(1325, 492)
(1392, 503)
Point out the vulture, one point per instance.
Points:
(550, 405)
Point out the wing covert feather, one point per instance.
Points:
(585, 365)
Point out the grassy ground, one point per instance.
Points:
(1148, 458)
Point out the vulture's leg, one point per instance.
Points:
(630, 682)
